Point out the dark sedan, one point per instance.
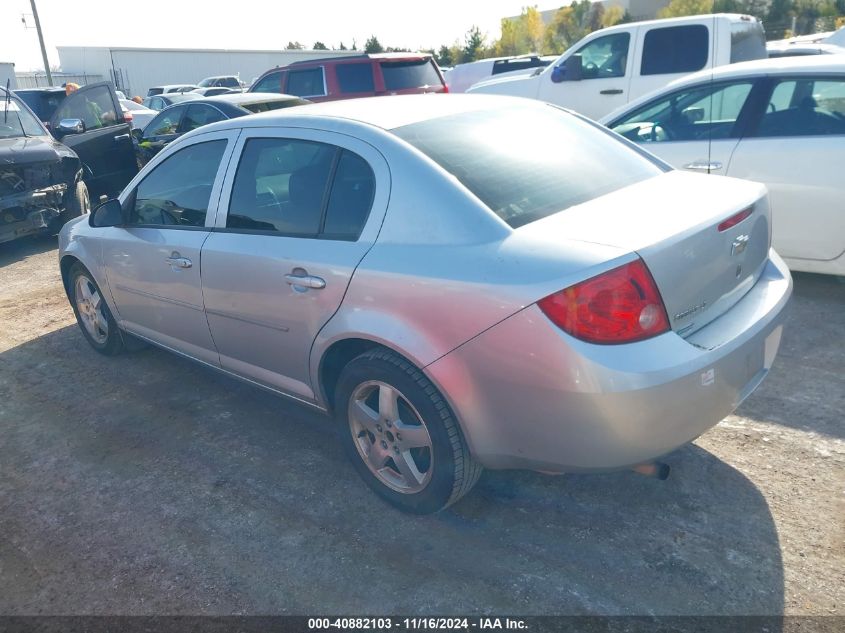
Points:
(180, 118)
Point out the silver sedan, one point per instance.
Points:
(461, 281)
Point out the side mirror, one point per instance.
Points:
(70, 126)
(110, 213)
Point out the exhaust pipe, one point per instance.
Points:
(658, 470)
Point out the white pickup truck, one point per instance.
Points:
(610, 67)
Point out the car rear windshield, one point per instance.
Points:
(402, 75)
(529, 163)
(16, 120)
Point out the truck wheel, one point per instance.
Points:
(401, 435)
(93, 315)
(77, 203)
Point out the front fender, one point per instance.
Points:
(75, 244)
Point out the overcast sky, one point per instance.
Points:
(244, 23)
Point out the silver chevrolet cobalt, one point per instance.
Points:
(461, 281)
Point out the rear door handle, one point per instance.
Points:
(306, 281)
(611, 91)
(177, 261)
(703, 165)
(121, 137)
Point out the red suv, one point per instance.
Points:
(356, 76)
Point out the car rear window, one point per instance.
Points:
(44, 104)
(529, 163)
(675, 49)
(402, 75)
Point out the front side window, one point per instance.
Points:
(701, 113)
(355, 77)
(404, 75)
(605, 57)
(164, 124)
(176, 193)
(199, 115)
(306, 83)
(280, 185)
(94, 106)
(805, 107)
(270, 83)
(526, 164)
(675, 49)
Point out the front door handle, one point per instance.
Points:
(611, 91)
(305, 281)
(703, 165)
(121, 137)
(177, 261)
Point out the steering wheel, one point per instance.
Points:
(591, 70)
(659, 133)
(149, 210)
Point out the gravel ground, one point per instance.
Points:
(145, 484)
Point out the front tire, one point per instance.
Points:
(77, 203)
(401, 435)
(93, 315)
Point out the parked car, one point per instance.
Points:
(612, 66)
(141, 115)
(162, 101)
(780, 122)
(213, 92)
(355, 76)
(456, 293)
(801, 50)
(42, 101)
(179, 119)
(160, 90)
(222, 81)
(462, 76)
(41, 184)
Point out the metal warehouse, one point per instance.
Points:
(135, 70)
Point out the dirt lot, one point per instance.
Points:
(145, 484)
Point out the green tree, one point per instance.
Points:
(444, 56)
(679, 8)
(319, 46)
(372, 45)
(613, 15)
(342, 47)
(473, 45)
(294, 46)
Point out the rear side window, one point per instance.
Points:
(165, 123)
(805, 107)
(306, 83)
(280, 186)
(402, 75)
(748, 41)
(510, 65)
(355, 77)
(529, 163)
(270, 83)
(675, 49)
(351, 198)
(177, 191)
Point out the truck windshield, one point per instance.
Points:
(16, 121)
(526, 163)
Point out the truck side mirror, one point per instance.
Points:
(573, 68)
(70, 126)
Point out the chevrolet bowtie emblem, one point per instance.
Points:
(739, 244)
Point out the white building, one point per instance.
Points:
(135, 70)
(7, 74)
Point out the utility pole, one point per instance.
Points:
(41, 41)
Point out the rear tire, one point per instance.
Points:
(92, 314)
(379, 397)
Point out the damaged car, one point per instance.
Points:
(47, 179)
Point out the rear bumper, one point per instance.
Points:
(528, 395)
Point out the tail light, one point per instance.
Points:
(622, 305)
(445, 88)
(734, 220)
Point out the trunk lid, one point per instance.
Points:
(672, 222)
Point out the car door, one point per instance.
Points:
(152, 261)
(696, 128)
(160, 132)
(607, 64)
(296, 217)
(105, 146)
(797, 148)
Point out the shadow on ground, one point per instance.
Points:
(22, 248)
(146, 484)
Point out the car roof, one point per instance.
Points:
(45, 90)
(386, 113)
(247, 98)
